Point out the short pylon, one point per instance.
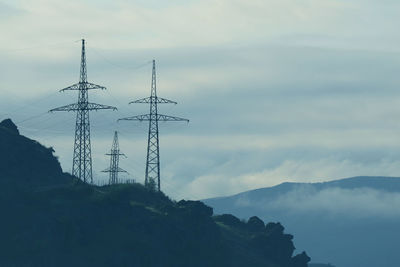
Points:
(82, 159)
(152, 175)
(114, 168)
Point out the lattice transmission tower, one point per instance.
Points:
(82, 158)
(114, 168)
(152, 175)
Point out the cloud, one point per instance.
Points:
(233, 177)
(9, 11)
(240, 137)
(275, 90)
(360, 203)
(136, 24)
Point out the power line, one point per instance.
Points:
(141, 65)
(35, 47)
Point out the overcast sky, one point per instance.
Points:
(275, 90)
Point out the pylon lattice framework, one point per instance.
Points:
(152, 175)
(82, 159)
(114, 168)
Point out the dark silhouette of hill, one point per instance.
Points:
(49, 218)
(348, 222)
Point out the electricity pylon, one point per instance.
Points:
(152, 175)
(114, 168)
(82, 158)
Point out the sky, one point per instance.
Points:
(275, 90)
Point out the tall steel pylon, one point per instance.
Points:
(82, 158)
(114, 168)
(152, 175)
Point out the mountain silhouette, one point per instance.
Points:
(50, 218)
(348, 222)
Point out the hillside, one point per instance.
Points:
(50, 218)
(348, 222)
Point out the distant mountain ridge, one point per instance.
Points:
(390, 184)
(348, 222)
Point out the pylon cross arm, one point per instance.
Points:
(114, 154)
(107, 170)
(121, 170)
(70, 107)
(145, 117)
(153, 99)
(83, 85)
(94, 106)
(114, 170)
(82, 106)
(94, 86)
(159, 117)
